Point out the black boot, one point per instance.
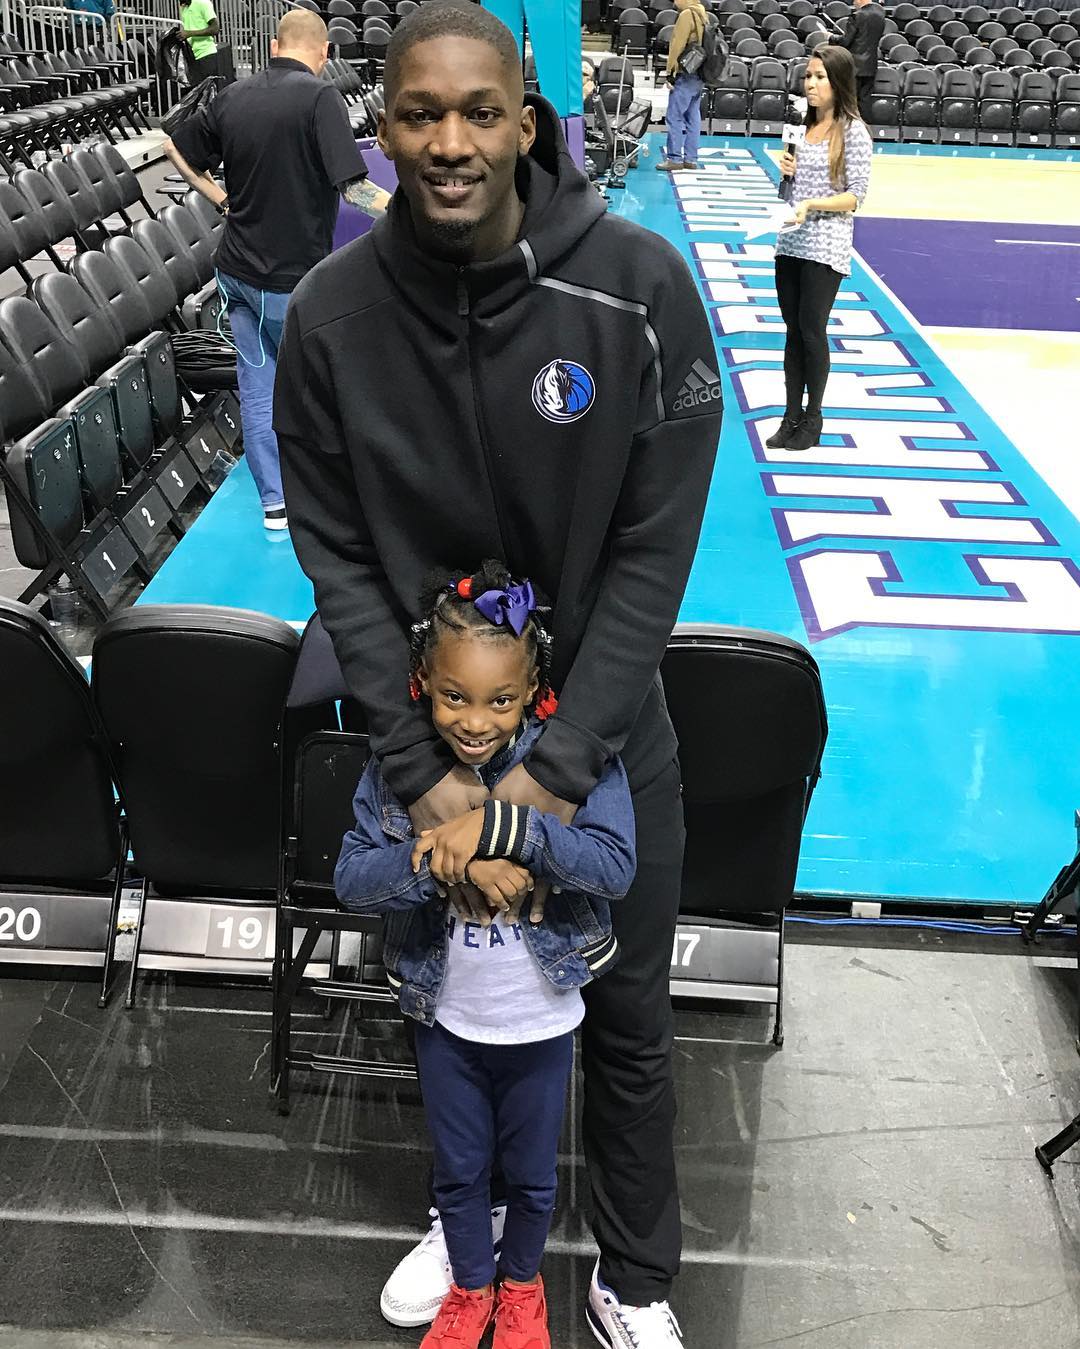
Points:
(783, 433)
(807, 433)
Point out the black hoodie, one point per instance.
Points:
(556, 407)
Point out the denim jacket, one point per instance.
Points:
(592, 862)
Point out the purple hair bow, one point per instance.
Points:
(511, 606)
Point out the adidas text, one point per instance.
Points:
(694, 398)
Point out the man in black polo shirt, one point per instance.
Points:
(287, 150)
(862, 37)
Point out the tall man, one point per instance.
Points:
(500, 369)
(862, 37)
(287, 149)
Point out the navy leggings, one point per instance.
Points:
(485, 1102)
(806, 291)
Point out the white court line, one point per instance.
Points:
(1041, 243)
(323, 1229)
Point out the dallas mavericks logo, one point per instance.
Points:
(563, 391)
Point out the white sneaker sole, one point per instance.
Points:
(275, 524)
(408, 1320)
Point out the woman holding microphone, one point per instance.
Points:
(831, 173)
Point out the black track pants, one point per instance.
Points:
(806, 291)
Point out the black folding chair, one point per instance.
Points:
(63, 841)
(190, 697)
(321, 771)
(750, 716)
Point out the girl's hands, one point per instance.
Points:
(450, 847)
(502, 883)
(787, 164)
(800, 212)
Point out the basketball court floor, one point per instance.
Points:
(928, 552)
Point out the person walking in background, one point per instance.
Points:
(199, 29)
(862, 37)
(831, 174)
(287, 150)
(684, 101)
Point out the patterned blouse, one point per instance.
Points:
(826, 236)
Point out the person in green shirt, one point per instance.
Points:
(199, 26)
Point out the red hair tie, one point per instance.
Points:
(546, 707)
(415, 691)
(464, 587)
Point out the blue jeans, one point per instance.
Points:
(684, 118)
(483, 1102)
(257, 318)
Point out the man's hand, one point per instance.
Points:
(451, 847)
(501, 882)
(456, 794)
(520, 789)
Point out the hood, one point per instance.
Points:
(561, 205)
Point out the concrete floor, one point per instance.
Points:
(870, 1184)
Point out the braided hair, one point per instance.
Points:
(448, 604)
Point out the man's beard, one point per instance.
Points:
(452, 236)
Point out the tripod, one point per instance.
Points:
(1065, 885)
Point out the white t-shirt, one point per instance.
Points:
(494, 992)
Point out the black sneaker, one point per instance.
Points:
(275, 518)
(783, 433)
(807, 434)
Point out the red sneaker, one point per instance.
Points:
(461, 1320)
(521, 1317)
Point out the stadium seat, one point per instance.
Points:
(884, 106)
(1016, 59)
(958, 107)
(940, 56)
(183, 761)
(1034, 108)
(1046, 18)
(632, 32)
(980, 56)
(939, 15)
(768, 98)
(744, 808)
(1026, 32)
(1067, 111)
(729, 105)
(975, 15)
(950, 31)
(750, 48)
(905, 13)
(1002, 46)
(987, 32)
(63, 845)
(996, 108)
(1010, 16)
(797, 76)
(920, 106)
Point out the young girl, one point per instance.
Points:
(496, 996)
(832, 173)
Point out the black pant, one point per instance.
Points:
(626, 1043)
(203, 68)
(806, 291)
(864, 87)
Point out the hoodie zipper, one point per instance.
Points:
(464, 311)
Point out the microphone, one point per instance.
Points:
(792, 135)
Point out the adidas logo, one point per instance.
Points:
(700, 387)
